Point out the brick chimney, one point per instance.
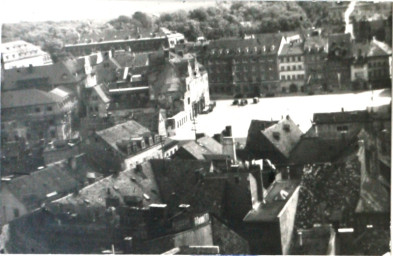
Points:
(228, 144)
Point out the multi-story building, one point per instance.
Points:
(34, 115)
(291, 67)
(379, 64)
(315, 57)
(338, 70)
(123, 146)
(180, 86)
(19, 54)
(244, 66)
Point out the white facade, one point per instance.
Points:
(22, 54)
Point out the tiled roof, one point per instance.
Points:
(260, 40)
(274, 202)
(291, 49)
(127, 130)
(128, 59)
(340, 117)
(196, 150)
(33, 190)
(28, 97)
(284, 135)
(211, 144)
(182, 182)
(315, 43)
(62, 91)
(378, 48)
(168, 80)
(131, 182)
(149, 120)
(58, 73)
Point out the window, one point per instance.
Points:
(288, 67)
(288, 77)
(37, 109)
(16, 212)
(282, 68)
(189, 101)
(343, 128)
(299, 67)
(294, 67)
(49, 108)
(282, 77)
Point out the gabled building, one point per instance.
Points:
(270, 222)
(123, 146)
(315, 57)
(338, 70)
(274, 142)
(291, 67)
(180, 86)
(18, 54)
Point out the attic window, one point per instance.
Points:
(64, 76)
(276, 135)
(287, 128)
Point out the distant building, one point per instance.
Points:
(146, 43)
(338, 69)
(379, 64)
(244, 66)
(274, 142)
(315, 57)
(291, 66)
(123, 146)
(36, 114)
(18, 54)
(69, 73)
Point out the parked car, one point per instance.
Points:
(270, 94)
(235, 102)
(243, 102)
(255, 100)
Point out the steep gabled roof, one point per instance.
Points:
(284, 135)
(340, 117)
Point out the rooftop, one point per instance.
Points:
(58, 73)
(210, 144)
(131, 182)
(43, 185)
(291, 49)
(127, 130)
(275, 202)
(284, 135)
(340, 117)
(28, 97)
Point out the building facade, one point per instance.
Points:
(291, 68)
(244, 66)
(315, 57)
(19, 54)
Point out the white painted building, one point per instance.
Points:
(18, 54)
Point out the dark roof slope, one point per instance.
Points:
(210, 144)
(291, 49)
(34, 189)
(28, 97)
(340, 117)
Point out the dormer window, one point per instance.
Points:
(220, 51)
(255, 49)
(264, 48)
(276, 135)
(286, 128)
(247, 49)
(213, 51)
(272, 48)
(227, 51)
(64, 76)
(239, 50)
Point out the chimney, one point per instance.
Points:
(228, 144)
(127, 245)
(256, 185)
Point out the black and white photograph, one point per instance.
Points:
(196, 127)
